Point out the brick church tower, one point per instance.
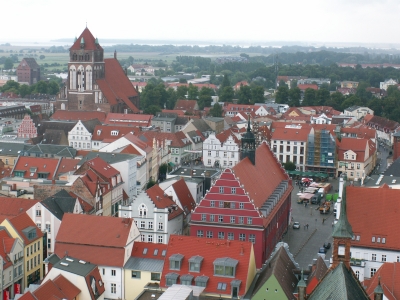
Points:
(95, 83)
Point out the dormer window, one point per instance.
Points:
(175, 261)
(195, 263)
(114, 132)
(187, 279)
(225, 267)
(171, 278)
(98, 132)
(201, 281)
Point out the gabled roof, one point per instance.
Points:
(6, 243)
(135, 140)
(303, 87)
(11, 207)
(339, 283)
(33, 166)
(58, 150)
(116, 86)
(201, 125)
(91, 124)
(186, 105)
(59, 288)
(161, 200)
(102, 242)
(21, 223)
(362, 202)
(185, 197)
(89, 39)
(178, 139)
(358, 146)
(207, 251)
(318, 271)
(60, 203)
(360, 132)
(109, 133)
(381, 122)
(70, 115)
(108, 157)
(67, 287)
(101, 167)
(389, 276)
(147, 257)
(67, 165)
(31, 62)
(291, 134)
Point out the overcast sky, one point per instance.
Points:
(353, 21)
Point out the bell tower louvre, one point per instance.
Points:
(95, 83)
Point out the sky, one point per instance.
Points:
(216, 21)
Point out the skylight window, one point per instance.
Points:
(145, 251)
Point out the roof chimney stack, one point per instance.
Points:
(115, 54)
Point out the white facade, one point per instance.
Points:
(194, 185)
(151, 221)
(384, 85)
(322, 119)
(359, 112)
(224, 154)
(47, 222)
(79, 137)
(294, 151)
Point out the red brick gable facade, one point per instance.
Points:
(27, 128)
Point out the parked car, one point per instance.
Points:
(322, 250)
(327, 245)
(296, 225)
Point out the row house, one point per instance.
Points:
(156, 215)
(80, 137)
(222, 152)
(27, 128)
(48, 214)
(21, 227)
(356, 157)
(132, 120)
(196, 139)
(11, 264)
(359, 132)
(222, 268)
(168, 122)
(103, 241)
(125, 164)
(232, 109)
(385, 128)
(317, 81)
(387, 277)
(105, 184)
(358, 111)
(103, 135)
(384, 85)
(250, 202)
(188, 106)
(199, 125)
(288, 80)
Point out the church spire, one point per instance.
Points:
(343, 228)
(248, 148)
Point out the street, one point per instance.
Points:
(304, 243)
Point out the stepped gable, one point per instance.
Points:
(89, 39)
(161, 200)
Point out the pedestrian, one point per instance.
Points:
(306, 204)
(323, 220)
(307, 226)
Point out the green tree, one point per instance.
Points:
(150, 183)
(309, 97)
(182, 80)
(227, 94)
(321, 96)
(294, 96)
(216, 110)
(282, 95)
(205, 97)
(42, 57)
(24, 90)
(181, 91)
(289, 166)
(244, 94)
(257, 94)
(351, 101)
(193, 92)
(225, 83)
(171, 98)
(8, 64)
(41, 87)
(10, 85)
(53, 88)
(152, 110)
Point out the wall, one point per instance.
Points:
(134, 286)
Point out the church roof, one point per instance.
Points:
(343, 228)
(339, 284)
(89, 40)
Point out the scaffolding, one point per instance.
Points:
(321, 152)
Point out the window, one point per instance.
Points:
(160, 239)
(160, 226)
(373, 239)
(241, 205)
(150, 238)
(194, 263)
(142, 210)
(203, 217)
(233, 219)
(230, 236)
(398, 259)
(242, 237)
(39, 225)
(171, 279)
(383, 240)
(212, 203)
(373, 271)
(221, 190)
(113, 288)
(155, 276)
(48, 228)
(136, 274)
(142, 238)
(209, 153)
(241, 220)
(150, 225)
(221, 203)
(38, 212)
(221, 286)
(252, 238)
(200, 233)
(175, 261)
(209, 234)
(217, 153)
(358, 274)
(212, 218)
(249, 221)
(142, 224)
(113, 272)
(373, 257)
(383, 257)
(220, 219)
(221, 235)
(48, 243)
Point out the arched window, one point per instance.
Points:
(74, 57)
(142, 210)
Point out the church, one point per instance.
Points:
(95, 83)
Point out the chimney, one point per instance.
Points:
(115, 54)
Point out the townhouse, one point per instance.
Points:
(221, 150)
(80, 136)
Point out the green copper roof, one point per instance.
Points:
(343, 228)
(378, 289)
(301, 283)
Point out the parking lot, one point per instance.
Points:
(304, 243)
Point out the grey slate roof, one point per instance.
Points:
(57, 150)
(181, 121)
(91, 124)
(12, 149)
(110, 158)
(55, 125)
(144, 264)
(339, 284)
(394, 169)
(192, 135)
(75, 266)
(201, 125)
(60, 203)
(52, 259)
(31, 63)
(54, 137)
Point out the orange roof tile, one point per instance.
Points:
(15, 206)
(138, 247)
(358, 146)
(130, 150)
(291, 134)
(67, 287)
(27, 296)
(22, 222)
(126, 119)
(389, 278)
(209, 250)
(89, 40)
(103, 132)
(49, 290)
(224, 135)
(67, 165)
(184, 195)
(303, 87)
(161, 200)
(69, 115)
(32, 166)
(186, 105)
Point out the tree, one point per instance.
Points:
(193, 92)
(152, 110)
(294, 96)
(182, 80)
(257, 94)
(150, 183)
(205, 97)
(282, 95)
(53, 88)
(244, 94)
(42, 57)
(321, 96)
(8, 64)
(41, 87)
(227, 94)
(216, 111)
(181, 91)
(10, 86)
(24, 90)
(309, 97)
(244, 55)
(225, 83)
(289, 166)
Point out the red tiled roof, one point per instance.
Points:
(303, 87)
(138, 247)
(87, 207)
(362, 203)
(95, 273)
(27, 296)
(88, 39)
(185, 197)
(21, 222)
(130, 150)
(186, 105)
(138, 83)
(6, 243)
(266, 169)
(102, 167)
(67, 165)
(161, 200)
(358, 146)
(177, 138)
(32, 166)
(50, 290)
(224, 135)
(116, 86)
(14, 206)
(389, 279)
(210, 250)
(138, 142)
(69, 115)
(290, 134)
(67, 287)
(101, 242)
(105, 132)
(179, 112)
(126, 119)
(361, 132)
(381, 122)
